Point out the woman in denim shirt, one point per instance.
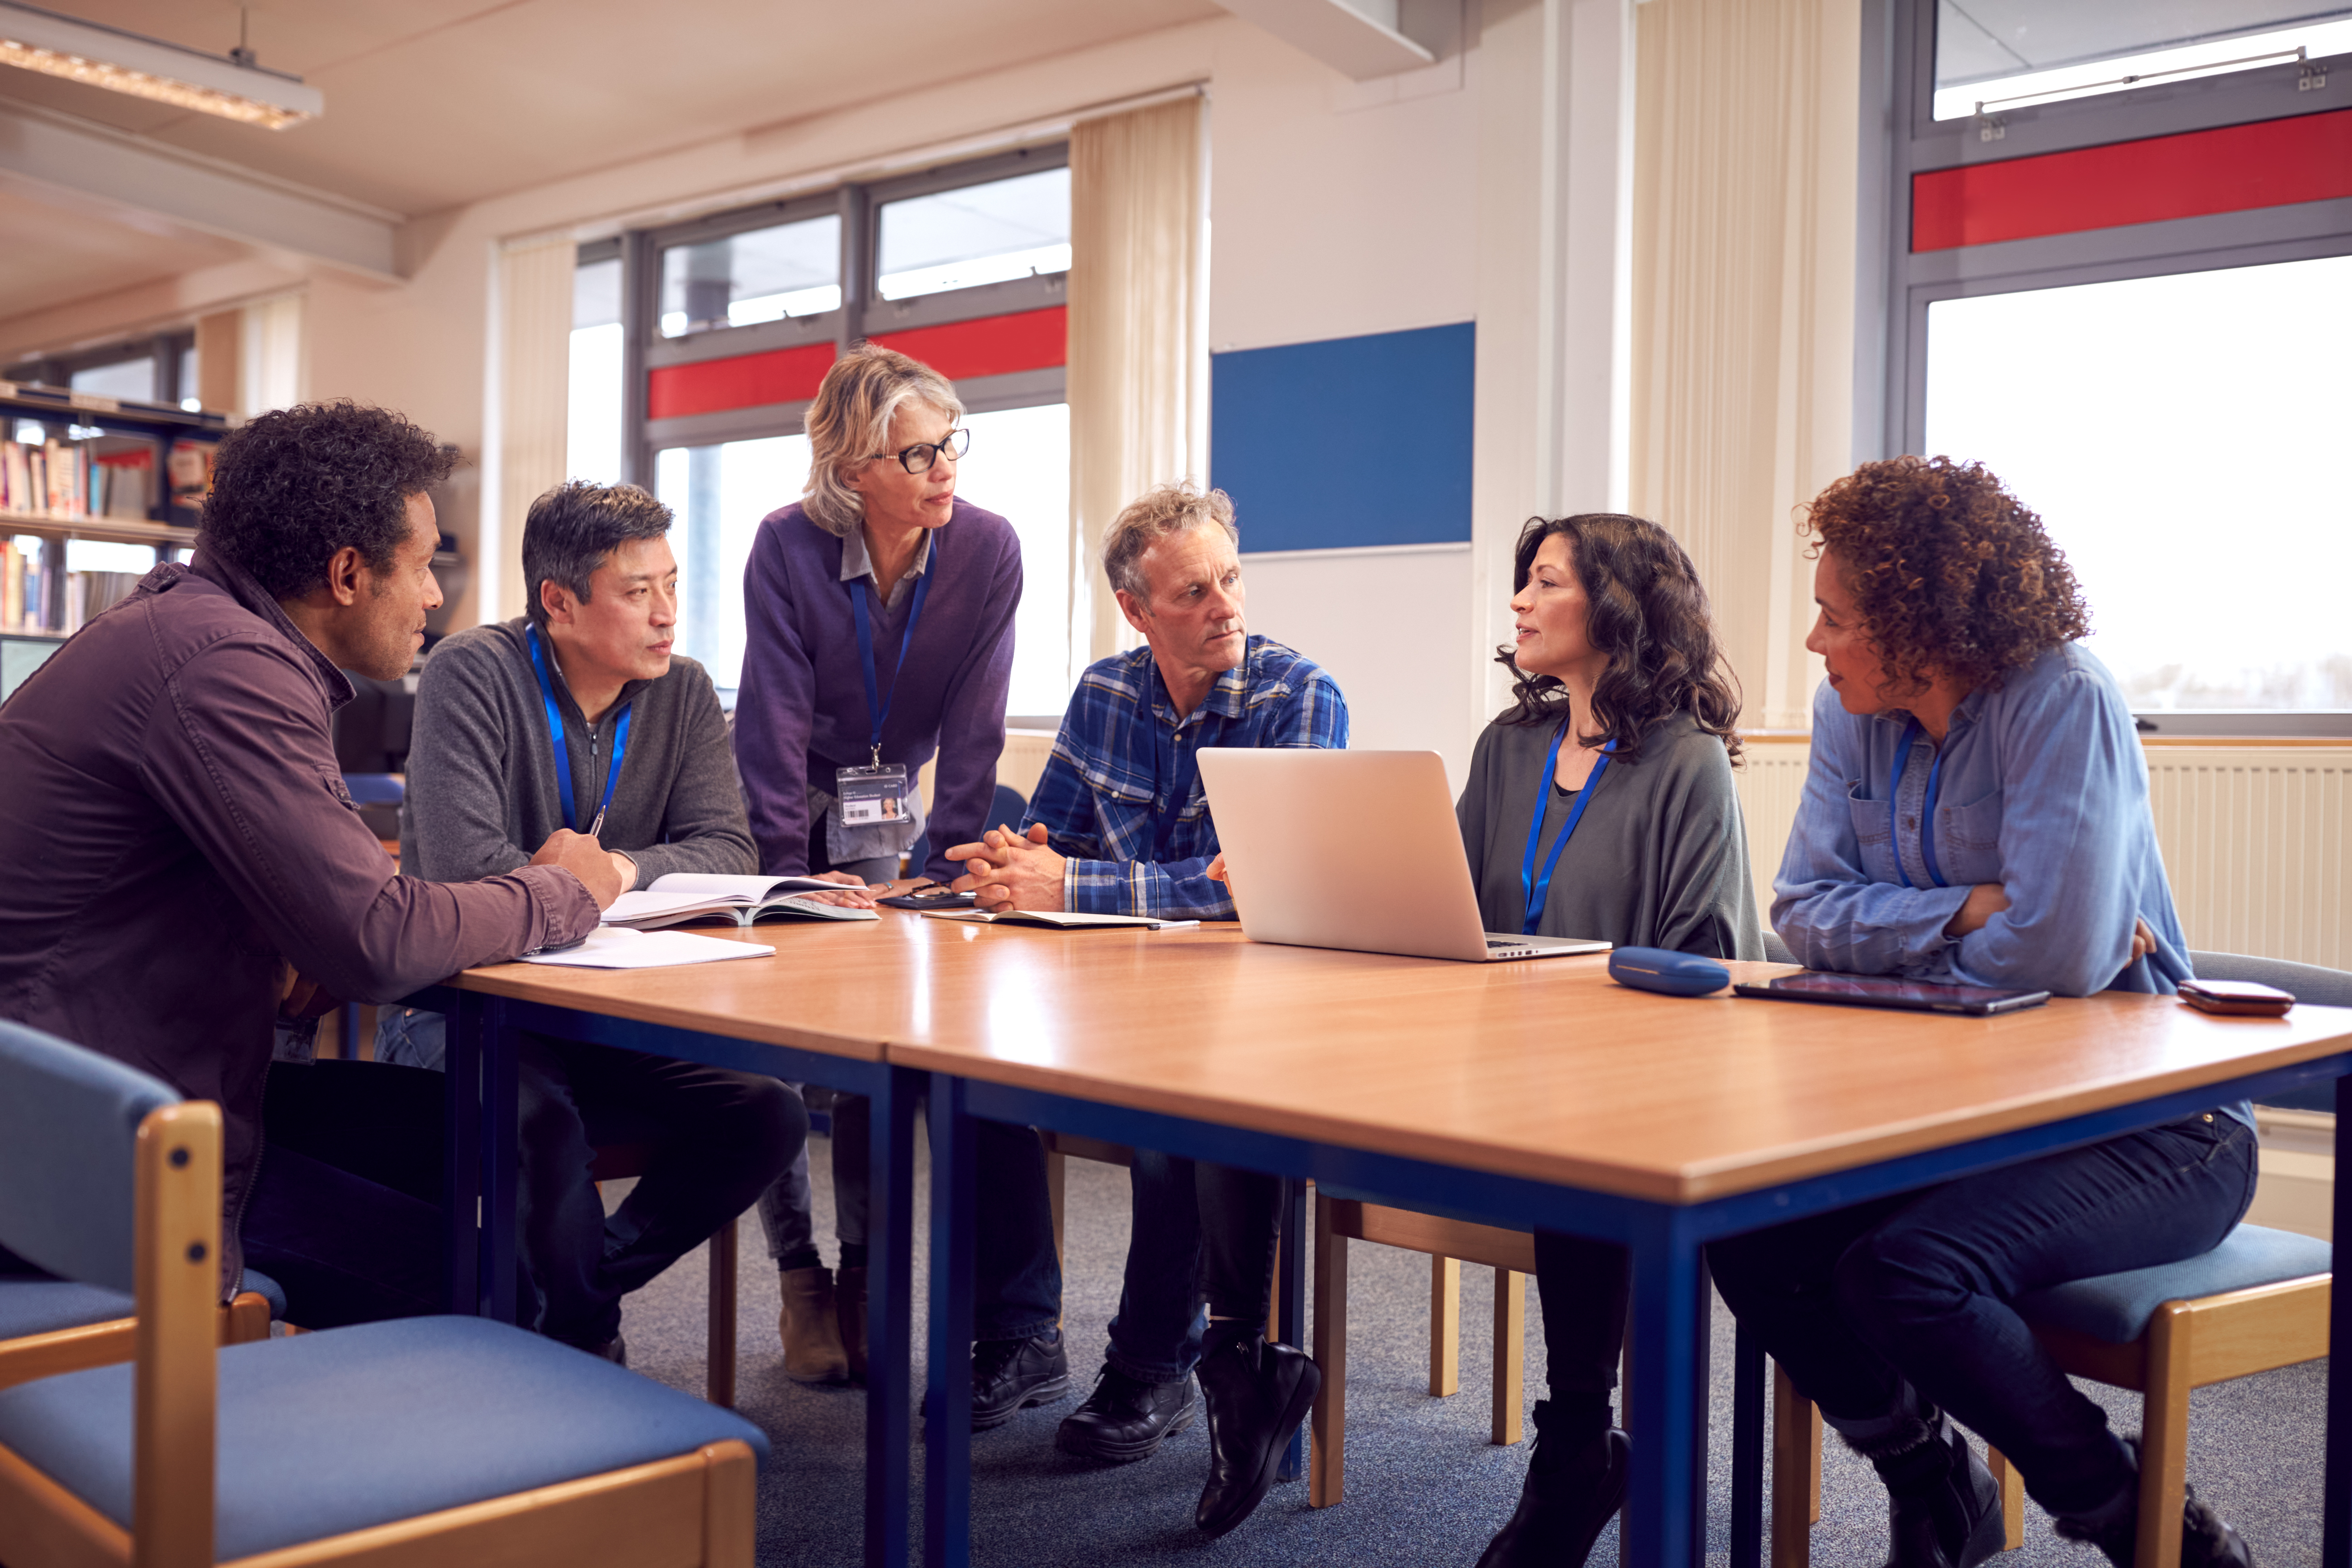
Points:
(1977, 812)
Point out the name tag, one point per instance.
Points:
(870, 796)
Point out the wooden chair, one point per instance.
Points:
(619, 1162)
(2255, 1303)
(1450, 1244)
(49, 1326)
(423, 1441)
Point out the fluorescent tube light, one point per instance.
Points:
(2090, 79)
(146, 68)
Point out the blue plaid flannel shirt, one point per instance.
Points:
(1121, 797)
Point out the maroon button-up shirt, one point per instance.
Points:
(174, 832)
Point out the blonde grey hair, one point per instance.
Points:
(1152, 517)
(850, 422)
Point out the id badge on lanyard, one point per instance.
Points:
(875, 796)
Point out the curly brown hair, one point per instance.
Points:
(1953, 575)
(1649, 614)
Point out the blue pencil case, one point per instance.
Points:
(1668, 973)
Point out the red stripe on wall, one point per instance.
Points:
(993, 345)
(745, 381)
(2305, 158)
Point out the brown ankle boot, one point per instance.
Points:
(813, 1351)
(849, 1313)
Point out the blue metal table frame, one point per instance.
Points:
(1664, 1511)
(480, 1179)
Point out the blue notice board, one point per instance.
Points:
(1347, 443)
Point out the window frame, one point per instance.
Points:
(863, 313)
(1895, 286)
(163, 347)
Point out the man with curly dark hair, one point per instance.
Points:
(1977, 811)
(199, 869)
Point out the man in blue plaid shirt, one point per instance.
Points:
(1120, 826)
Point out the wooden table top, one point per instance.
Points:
(1543, 1069)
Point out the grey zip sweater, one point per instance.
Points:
(481, 771)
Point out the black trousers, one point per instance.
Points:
(1584, 1286)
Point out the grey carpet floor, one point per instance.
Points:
(1423, 1484)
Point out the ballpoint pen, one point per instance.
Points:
(597, 826)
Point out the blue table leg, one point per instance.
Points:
(500, 1161)
(946, 1414)
(1667, 1280)
(2335, 1497)
(1747, 1450)
(1290, 1304)
(461, 1158)
(890, 1317)
(1702, 1343)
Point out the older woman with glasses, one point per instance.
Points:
(878, 634)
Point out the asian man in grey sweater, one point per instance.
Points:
(577, 717)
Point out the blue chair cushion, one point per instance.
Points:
(354, 1427)
(69, 1120)
(269, 1290)
(30, 1304)
(2117, 1307)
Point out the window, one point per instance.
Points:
(735, 320)
(2112, 236)
(593, 439)
(131, 378)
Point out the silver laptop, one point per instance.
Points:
(1357, 850)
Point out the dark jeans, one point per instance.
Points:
(1200, 1231)
(346, 1210)
(1016, 1275)
(1917, 1288)
(1584, 1286)
(719, 1138)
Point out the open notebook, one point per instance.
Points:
(685, 898)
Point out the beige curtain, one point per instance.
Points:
(1744, 190)
(1138, 360)
(531, 335)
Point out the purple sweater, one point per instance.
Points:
(801, 710)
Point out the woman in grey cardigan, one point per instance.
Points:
(1600, 804)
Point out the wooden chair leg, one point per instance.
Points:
(2164, 1435)
(1796, 1473)
(2012, 1498)
(1510, 1354)
(1326, 1447)
(245, 1318)
(719, 1386)
(1445, 1326)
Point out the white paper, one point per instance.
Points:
(618, 947)
(636, 906)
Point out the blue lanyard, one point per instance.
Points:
(1534, 893)
(1926, 811)
(874, 706)
(563, 754)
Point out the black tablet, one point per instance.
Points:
(1887, 991)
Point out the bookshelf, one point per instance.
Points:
(133, 442)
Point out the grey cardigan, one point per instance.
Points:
(481, 771)
(1659, 860)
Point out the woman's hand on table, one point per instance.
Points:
(853, 894)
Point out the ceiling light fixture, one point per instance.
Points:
(232, 86)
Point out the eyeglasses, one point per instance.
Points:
(919, 458)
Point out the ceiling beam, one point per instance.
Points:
(1357, 38)
(41, 148)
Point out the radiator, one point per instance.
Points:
(2257, 840)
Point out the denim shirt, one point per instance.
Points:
(1122, 795)
(2043, 789)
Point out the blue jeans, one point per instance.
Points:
(412, 1038)
(1199, 1232)
(1916, 1289)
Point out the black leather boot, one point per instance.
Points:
(2206, 1538)
(1570, 1494)
(1256, 1393)
(1943, 1507)
(1125, 1419)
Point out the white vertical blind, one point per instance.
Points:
(530, 369)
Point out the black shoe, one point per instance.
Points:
(1570, 1495)
(1943, 1507)
(1013, 1374)
(1125, 1419)
(1256, 1394)
(2206, 1538)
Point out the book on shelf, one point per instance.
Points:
(24, 597)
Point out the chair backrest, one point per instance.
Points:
(69, 1125)
(1006, 809)
(2310, 983)
(1776, 951)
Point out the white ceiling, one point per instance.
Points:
(435, 103)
